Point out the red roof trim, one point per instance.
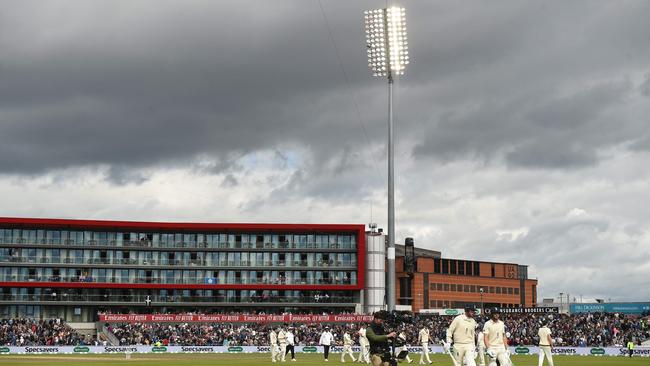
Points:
(101, 224)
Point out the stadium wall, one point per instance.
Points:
(568, 351)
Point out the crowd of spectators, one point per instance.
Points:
(579, 330)
(28, 332)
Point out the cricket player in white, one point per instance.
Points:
(423, 340)
(494, 334)
(462, 332)
(347, 347)
(364, 354)
(282, 340)
(545, 344)
(481, 349)
(273, 337)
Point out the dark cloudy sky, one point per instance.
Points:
(522, 126)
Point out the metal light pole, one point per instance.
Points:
(387, 49)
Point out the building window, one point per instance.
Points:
(461, 268)
(445, 266)
(452, 267)
(433, 287)
(453, 287)
(446, 287)
(466, 288)
(509, 290)
(472, 288)
(516, 291)
(439, 286)
(498, 290)
(477, 269)
(493, 270)
(436, 265)
(491, 289)
(468, 268)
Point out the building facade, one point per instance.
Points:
(75, 269)
(443, 283)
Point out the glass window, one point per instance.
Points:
(445, 266)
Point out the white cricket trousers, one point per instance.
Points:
(347, 350)
(424, 353)
(364, 353)
(274, 352)
(545, 351)
(465, 352)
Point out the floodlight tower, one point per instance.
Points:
(387, 49)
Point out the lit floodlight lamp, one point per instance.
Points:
(387, 50)
(386, 42)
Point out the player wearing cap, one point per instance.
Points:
(545, 343)
(462, 332)
(495, 339)
(282, 341)
(326, 339)
(364, 353)
(347, 346)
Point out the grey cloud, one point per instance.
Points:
(557, 132)
(645, 86)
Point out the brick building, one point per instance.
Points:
(438, 283)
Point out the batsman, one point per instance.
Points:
(462, 332)
(496, 343)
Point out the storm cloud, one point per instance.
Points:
(521, 126)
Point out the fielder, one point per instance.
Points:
(545, 344)
(364, 353)
(462, 332)
(347, 347)
(282, 340)
(494, 335)
(423, 340)
(273, 337)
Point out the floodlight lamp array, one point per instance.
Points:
(387, 45)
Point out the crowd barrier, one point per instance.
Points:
(572, 351)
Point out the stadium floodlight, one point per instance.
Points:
(387, 48)
(386, 42)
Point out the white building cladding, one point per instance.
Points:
(375, 289)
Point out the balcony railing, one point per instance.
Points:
(189, 280)
(177, 262)
(180, 244)
(134, 299)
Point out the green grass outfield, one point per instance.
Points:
(249, 359)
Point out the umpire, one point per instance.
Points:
(378, 339)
